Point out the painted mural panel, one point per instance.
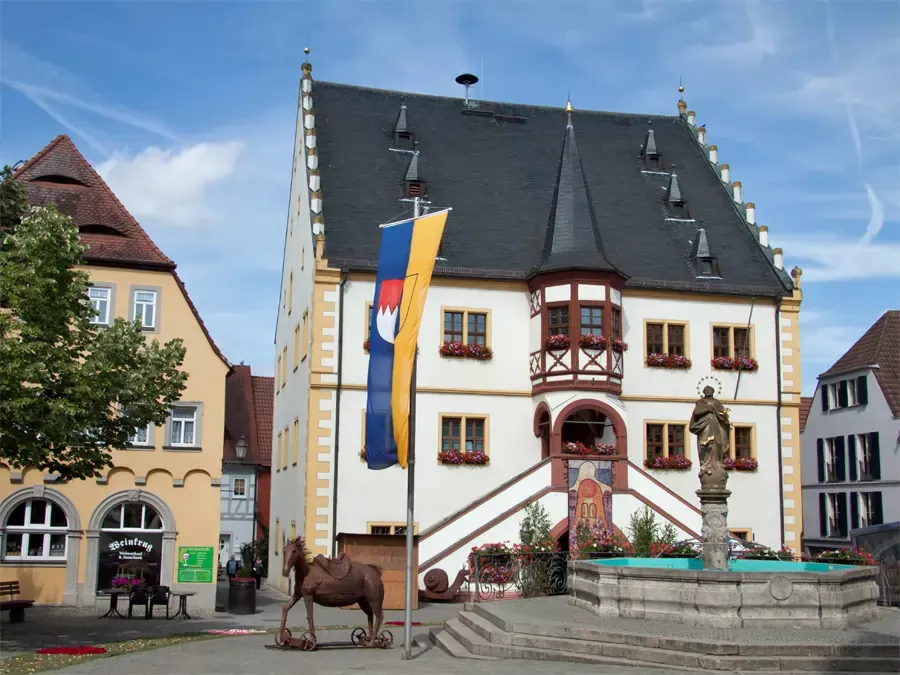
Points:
(590, 494)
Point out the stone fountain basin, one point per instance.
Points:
(774, 594)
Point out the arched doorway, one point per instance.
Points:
(589, 427)
(543, 428)
(592, 422)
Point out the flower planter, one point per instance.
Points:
(557, 343)
(460, 350)
(746, 365)
(452, 458)
(580, 449)
(242, 595)
(668, 361)
(673, 463)
(741, 464)
(591, 341)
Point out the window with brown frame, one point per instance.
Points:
(453, 326)
(676, 339)
(475, 435)
(655, 343)
(451, 434)
(731, 341)
(616, 324)
(464, 434)
(721, 345)
(741, 342)
(743, 442)
(665, 439)
(666, 338)
(655, 444)
(591, 320)
(477, 328)
(559, 320)
(676, 439)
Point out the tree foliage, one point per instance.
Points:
(645, 531)
(535, 526)
(69, 390)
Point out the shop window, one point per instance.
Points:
(130, 546)
(36, 530)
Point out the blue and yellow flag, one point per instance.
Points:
(405, 265)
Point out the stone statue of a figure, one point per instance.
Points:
(712, 426)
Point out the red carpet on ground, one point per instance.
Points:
(72, 651)
(400, 623)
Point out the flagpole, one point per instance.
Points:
(410, 498)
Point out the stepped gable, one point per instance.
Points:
(59, 174)
(879, 346)
(497, 165)
(264, 413)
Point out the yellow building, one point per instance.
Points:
(155, 514)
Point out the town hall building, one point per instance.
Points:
(597, 271)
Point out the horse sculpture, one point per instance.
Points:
(333, 582)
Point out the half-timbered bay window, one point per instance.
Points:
(463, 439)
(559, 320)
(466, 333)
(592, 320)
(732, 348)
(666, 445)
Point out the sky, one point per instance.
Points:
(187, 109)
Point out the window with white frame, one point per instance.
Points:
(145, 308)
(239, 488)
(140, 436)
(99, 299)
(183, 425)
(36, 530)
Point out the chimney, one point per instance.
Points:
(692, 118)
(737, 192)
(714, 154)
(750, 213)
(726, 173)
(764, 236)
(701, 135)
(778, 258)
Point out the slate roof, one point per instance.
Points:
(880, 345)
(264, 407)
(805, 405)
(499, 174)
(59, 174)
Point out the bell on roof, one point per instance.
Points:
(650, 153)
(403, 138)
(677, 208)
(706, 263)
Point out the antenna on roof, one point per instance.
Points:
(466, 80)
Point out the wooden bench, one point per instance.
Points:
(16, 608)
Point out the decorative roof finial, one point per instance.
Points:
(306, 51)
(569, 109)
(682, 106)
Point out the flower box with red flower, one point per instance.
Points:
(461, 350)
(366, 345)
(847, 556)
(742, 363)
(579, 448)
(557, 343)
(670, 361)
(496, 563)
(619, 345)
(457, 458)
(741, 464)
(670, 463)
(591, 341)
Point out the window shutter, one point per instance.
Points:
(875, 454)
(820, 452)
(823, 514)
(854, 511)
(862, 390)
(877, 512)
(824, 389)
(842, 514)
(841, 458)
(843, 399)
(851, 457)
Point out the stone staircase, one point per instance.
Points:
(501, 630)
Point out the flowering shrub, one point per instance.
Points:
(619, 345)
(557, 342)
(366, 345)
(456, 458)
(740, 464)
(739, 363)
(495, 562)
(846, 556)
(673, 361)
(125, 582)
(579, 448)
(672, 462)
(679, 549)
(591, 341)
(461, 350)
(760, 552)
(599, 542)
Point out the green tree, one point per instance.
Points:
(70, 391)
(535, 526)
(644, 529)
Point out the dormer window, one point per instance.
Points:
(404, 140)
(653, 162)
(415, 188)
(650, 153)
(707, 267)
(678, 209)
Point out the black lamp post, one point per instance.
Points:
(241, 448)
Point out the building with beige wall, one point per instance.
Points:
(64, 541)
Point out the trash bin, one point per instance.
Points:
(242, 595)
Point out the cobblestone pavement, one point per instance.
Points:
(59, 627)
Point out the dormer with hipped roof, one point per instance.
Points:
(676, 205)
(576, 290)
(650, 155)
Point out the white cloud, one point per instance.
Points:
(171, 187)
(833, 336)
(838, 258)
(760, 40)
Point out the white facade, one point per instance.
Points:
(238, 510)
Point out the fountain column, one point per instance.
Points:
(714, 532)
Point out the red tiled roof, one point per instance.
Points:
(264, 405)
(879, 346)
(59, 174)
(805, 405)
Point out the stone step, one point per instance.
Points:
(453, 638)
(489, 631)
